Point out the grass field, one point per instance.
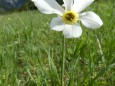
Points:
(31, 53)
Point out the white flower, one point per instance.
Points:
(68, 18)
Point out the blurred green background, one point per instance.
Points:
(7, 6)
(30, 52)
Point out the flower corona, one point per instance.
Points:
(70, 17)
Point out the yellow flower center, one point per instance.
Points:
(70, 17)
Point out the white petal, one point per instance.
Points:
(48, 6)
(57, 24)
(91, 20)
(80, 5)
(72, 31)
(68, 4)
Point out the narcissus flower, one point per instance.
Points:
(69, 16)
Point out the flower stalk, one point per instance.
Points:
(63, 62)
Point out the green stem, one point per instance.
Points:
(63, 61)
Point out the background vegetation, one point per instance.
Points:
(30, 52)
(29, 5)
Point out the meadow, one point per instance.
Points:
(31, 53)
